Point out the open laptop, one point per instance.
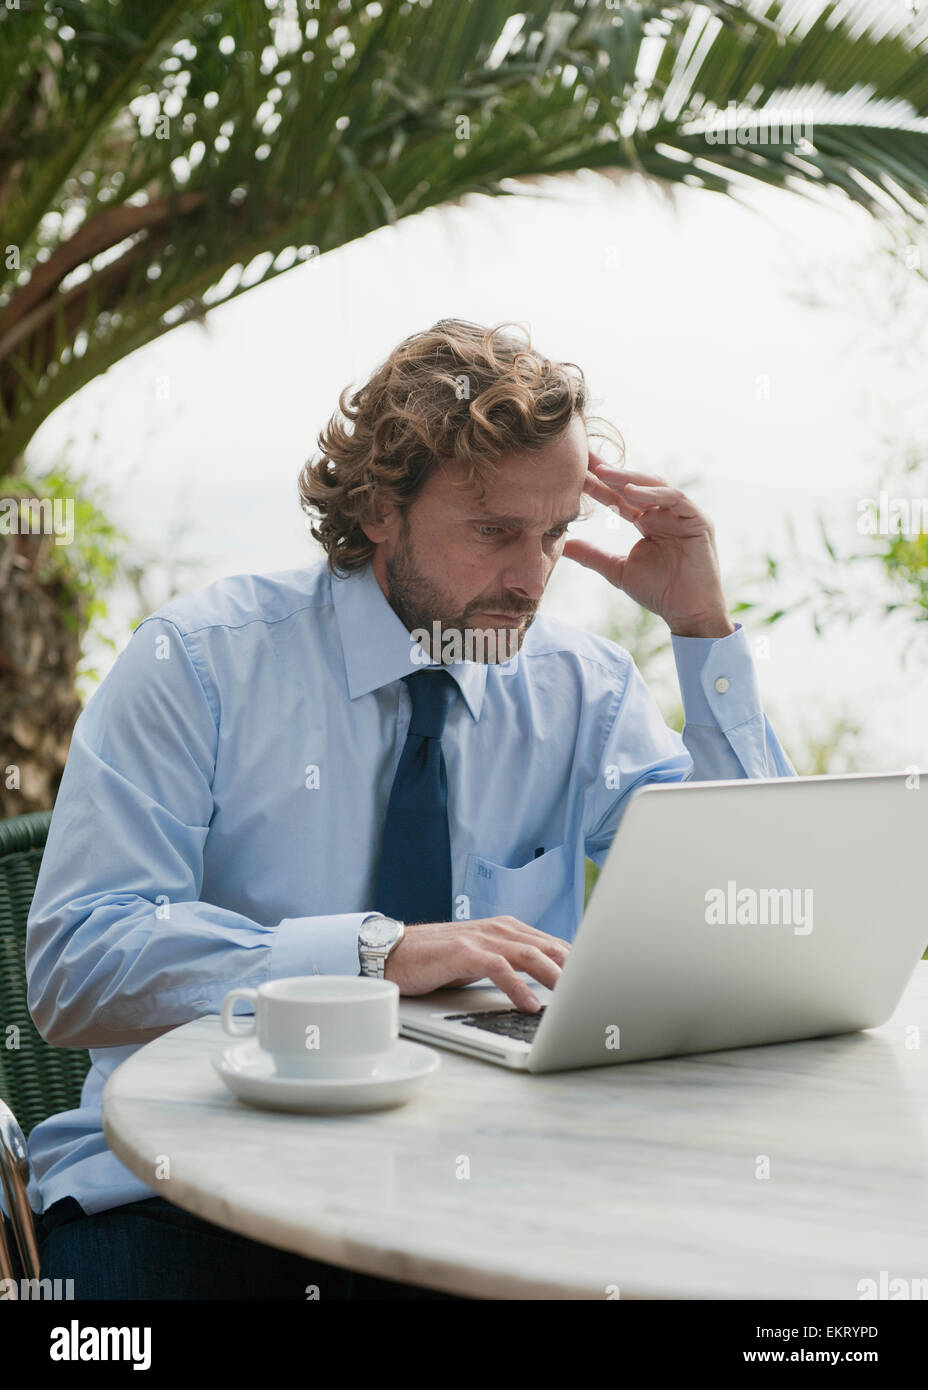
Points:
(727, 914)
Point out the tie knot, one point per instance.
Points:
(432, 692)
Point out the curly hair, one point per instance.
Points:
(458, 391)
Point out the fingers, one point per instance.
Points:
(654, 510)
(471, 962)
(440, 955)
(633, 499)
(668, 498)
(638, 492)
(501, 972)
(505, 978)
(609, 472)
(633, 495)
(611, 498)
(552, 946)
(507, 946)
(611, 567)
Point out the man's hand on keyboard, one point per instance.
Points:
(437, 955)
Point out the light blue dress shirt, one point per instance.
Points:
(219, 818)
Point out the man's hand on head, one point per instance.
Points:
(673, 570)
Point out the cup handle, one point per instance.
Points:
(228, 1004)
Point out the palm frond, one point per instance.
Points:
(157, 159)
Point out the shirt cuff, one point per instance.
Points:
(316, 946)
(718, 682)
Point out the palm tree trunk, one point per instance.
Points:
(41, 626)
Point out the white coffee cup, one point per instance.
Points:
(322, 1026)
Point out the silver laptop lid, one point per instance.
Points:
(743, 912)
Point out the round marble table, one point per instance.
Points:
(789, 1171)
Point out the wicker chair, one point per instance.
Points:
(36, 1080)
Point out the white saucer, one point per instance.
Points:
(249, 1073)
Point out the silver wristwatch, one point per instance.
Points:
(377, 936)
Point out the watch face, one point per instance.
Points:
(379, 933)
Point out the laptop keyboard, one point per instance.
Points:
(509, 1023)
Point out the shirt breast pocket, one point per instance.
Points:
(538, 893)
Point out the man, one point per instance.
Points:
(242, 791)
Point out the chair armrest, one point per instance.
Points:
(14, 1176)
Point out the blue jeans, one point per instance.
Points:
(155, 1250)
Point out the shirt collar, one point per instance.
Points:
(376, 643)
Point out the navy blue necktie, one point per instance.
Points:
(414, 880)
